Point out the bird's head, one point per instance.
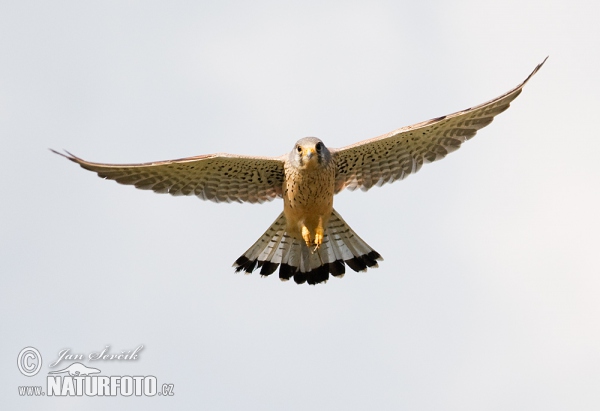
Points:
(310, 153)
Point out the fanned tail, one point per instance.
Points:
(275, 248)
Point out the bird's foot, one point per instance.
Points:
(306, 236)
(318, 237)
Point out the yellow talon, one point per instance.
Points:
(318, 237)
(306, 236)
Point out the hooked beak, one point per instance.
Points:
(310, 152)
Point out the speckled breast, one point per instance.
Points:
(308, 196)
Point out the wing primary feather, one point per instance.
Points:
(401, 152)
(216, 177)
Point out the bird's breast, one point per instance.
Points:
(308, 196)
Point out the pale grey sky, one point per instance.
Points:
(488, 295)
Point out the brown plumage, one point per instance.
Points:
(309, 240)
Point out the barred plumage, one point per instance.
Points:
(309, 240)
(275, 248)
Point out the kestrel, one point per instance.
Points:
(309, 240)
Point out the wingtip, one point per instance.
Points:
(539, 66)
(67, 155)
(56, 152)
(536, 69)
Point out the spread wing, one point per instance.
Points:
(395, 155)
(215, 177)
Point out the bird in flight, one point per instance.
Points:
(309, 240)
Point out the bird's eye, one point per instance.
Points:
(319, 146)
(299, 149)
